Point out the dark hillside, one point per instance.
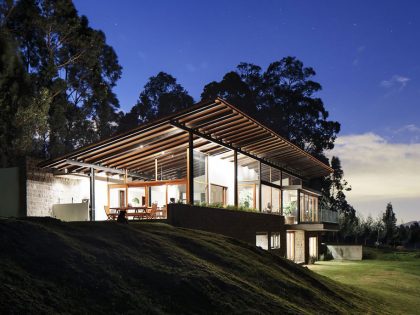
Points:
(47, 266)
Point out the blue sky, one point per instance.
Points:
(365, 54)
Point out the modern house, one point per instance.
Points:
(209, 167)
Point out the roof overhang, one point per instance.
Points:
(214, 124)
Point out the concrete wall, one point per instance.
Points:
(71, 211)
(346, 252)
(237, 224)
(11, 194)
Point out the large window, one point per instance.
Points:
(177, 193)
(275, 240)
(117, 197)
(308, 207)
(248, 182)
(290, 205)
(200, 177)
(136, 196)
(247, 195)
(313, 247)
(157, 195)
(289, 180)
(290, 245)
(271, 197)
(218, 194)
(261, 240)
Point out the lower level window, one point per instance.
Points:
(261, 240)
(275, 240)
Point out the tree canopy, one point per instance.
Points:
(283, 97)
(72, 63)
(161, 96)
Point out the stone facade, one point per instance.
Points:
(300, 246)
(43, 189)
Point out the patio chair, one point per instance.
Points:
(153, 211)
(109, 215)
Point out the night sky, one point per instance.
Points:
(366, 55)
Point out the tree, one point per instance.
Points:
(162, 95)
(390, 225)
(283, 98)
(15, 91)
(64, 55)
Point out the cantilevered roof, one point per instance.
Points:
(216, 127)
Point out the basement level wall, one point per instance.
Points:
(241, 225)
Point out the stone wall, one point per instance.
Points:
(300, 246)
(43, 189)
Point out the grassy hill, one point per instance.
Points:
(47, 266)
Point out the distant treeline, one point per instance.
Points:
(382, 231)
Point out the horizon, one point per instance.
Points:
(362, 55)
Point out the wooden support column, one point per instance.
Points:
(190, 168)
(298, 207)
(92, 194)
(259, 186)
(235, 177)
(156, 169)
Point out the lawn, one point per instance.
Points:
(392, 277)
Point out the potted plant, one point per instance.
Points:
(288, 213)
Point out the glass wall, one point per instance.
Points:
(117, 197)
(308, 207)
(200, 177)
(157, 195)
(290, 180)
(270, 194)
(221, 179)
(290, 206)
(136, 196)
(248, 182)
(177, 193)
(271, 198)
(218, 194)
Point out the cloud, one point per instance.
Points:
(379, 172)
(408, 128)
(406, 133)
(396, 81)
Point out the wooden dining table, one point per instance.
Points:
(134, 212)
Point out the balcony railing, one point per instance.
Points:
(329, 216)
(320, 216)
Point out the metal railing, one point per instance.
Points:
(327, 215)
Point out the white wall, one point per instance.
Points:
(101, 199)
(221, 172)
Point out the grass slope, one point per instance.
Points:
(392, 276)
(47, 266)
